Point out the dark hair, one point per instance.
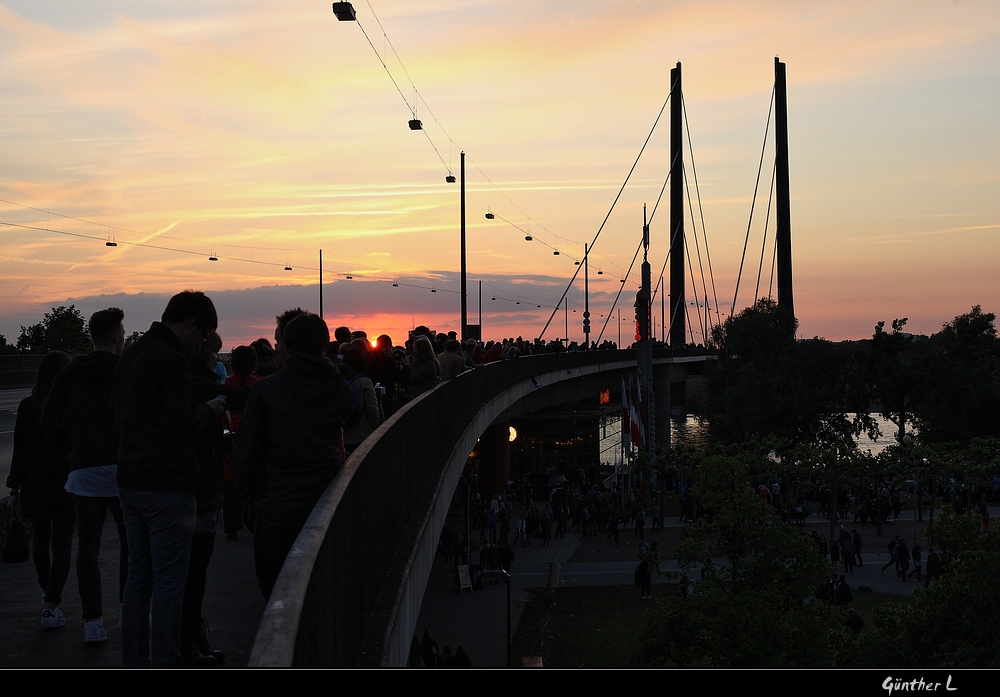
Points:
(425, 351)
(452, 345)
(355, 359)
(343, 335)
(201, 356)
(287, 316)
(51, 364)
(307, 333)
(360, 334)
(384, 341)
(243, 360)
(214, 342)
(192, 304)
(104, 324)
(262, 347)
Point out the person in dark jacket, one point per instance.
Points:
(903, 557)
(158, 474)
(290, 442)
(365, 400)
(244, 364)
(854, 621)
(78, 414)
(425, 367)
(933, 567)
(209, 447)
(38, 471)
(390, 369)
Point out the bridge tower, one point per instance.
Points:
(677, 324)
(644, 343)
(783, 239)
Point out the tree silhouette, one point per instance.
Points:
(62, 329)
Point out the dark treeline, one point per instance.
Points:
(789, 417)
(946, 386)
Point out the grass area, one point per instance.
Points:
(593, 626)
(864, 603)
(599, 626)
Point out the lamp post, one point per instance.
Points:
(509, 638)
(344, 12)
(465, 303)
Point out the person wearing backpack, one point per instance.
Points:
(363, 417)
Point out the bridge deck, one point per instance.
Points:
(233, 607)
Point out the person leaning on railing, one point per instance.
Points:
(290, 442)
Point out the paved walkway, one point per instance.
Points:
(233, 606)
(477, 621)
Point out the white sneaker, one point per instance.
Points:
(94, 632)
(53, 618)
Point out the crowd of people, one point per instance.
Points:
(176, 445)
(425, 653)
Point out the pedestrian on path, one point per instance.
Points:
(613, 524)
(158, 475)
(915, 552)
(892, 546)
(522, 531)
(38, 471)
(903, 557)
(847, 554)
(78, 415)
(933, 567)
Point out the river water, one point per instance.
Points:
(697, 432)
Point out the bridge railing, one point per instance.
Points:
(329, 606)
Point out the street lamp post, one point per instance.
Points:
(465, 303)
(509, 637)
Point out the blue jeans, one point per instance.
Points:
(159, 526)
(90, 514)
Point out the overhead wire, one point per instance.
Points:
(396, 280)
(418, 96)
(117, 228)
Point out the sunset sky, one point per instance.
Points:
(266, 131)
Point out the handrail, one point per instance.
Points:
(274, 645)
(329, 587)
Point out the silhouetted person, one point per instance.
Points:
(78, 413)
(38, 471)
(290, 443)
(158, 474)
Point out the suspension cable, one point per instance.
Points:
(760, 165)
(620, 289)
(613, 204)
(701, 211)
(701, 268)
(694, 286)
(763, 245)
